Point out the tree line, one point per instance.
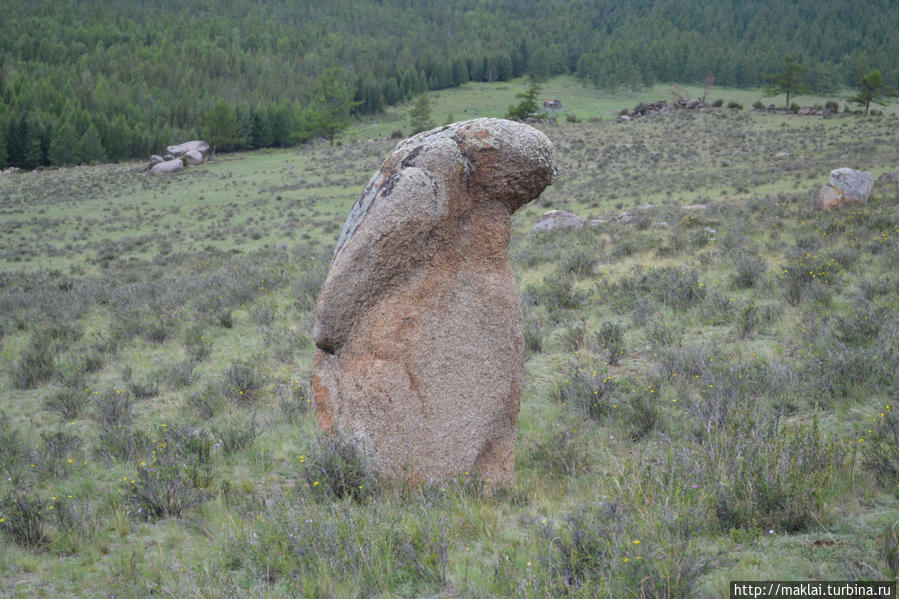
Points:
(86, 80)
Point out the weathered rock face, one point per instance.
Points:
(168, 166)
(558, 219)
(419, 322)
(846, 186)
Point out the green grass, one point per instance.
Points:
(698, 392)
(581, 100)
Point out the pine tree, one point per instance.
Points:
(335, 99)
(790, 80)
(90, 148)
(219, 126)
(528, 107)
(420, 115)
(3, 129)
(870, 89)
(64, 148)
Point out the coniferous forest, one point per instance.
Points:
(94, 80)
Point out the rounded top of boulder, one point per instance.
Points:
(442, 197)
(484, 159)
(504, 160)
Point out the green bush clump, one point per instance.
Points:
(610, 337)
(334, 467)
(69, 402)
(23, 520)
(178, 475)
(36, 363)
(243, 380)
(769, 475)
(880, 448)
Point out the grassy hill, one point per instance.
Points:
(710, 393)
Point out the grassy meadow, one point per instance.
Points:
(710, 391)
(581, 101)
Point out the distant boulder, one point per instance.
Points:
(168, 166)
(846, 186)
(558, 219)
(625, 218)
(155, 159)
(189, 146)
(889, 177)
(193, 157)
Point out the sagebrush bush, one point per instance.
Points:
(14, 451)
(579, 261)
(177, 477)
(23, 520)
(238, 434)
(243, 380)
(610, 337)
(588, 390)
(771, 475)
(558, 292)
(334, 467)
(748, 270)
(58, 451)
(113, 407)
(69, 402)
(36, 363)
(564, 452)
(597, 551)
(294, 400)
(880, 448)
(120, 442)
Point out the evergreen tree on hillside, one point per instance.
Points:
(870, 89)
(64, 148)
(334, 101)
(790, 80)
(90, 148)
(3, 128)
(24, 143)
(420, 115)
(527, 107)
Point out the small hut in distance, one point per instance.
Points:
(552, 104)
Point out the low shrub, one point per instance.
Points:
(589, 391)
(23, 520)
(610, 337)
(749, 270)
(768, 475)
(294, 400)
(55, 451)
(880, 448)
(120, 443)
(334, 468)
(178, 476)
(564, 452)
(36, 363)
(237, 435)
(69, 402)
(243, 380)
(112, 408)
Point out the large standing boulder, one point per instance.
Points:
(846, 186)
(419, 324)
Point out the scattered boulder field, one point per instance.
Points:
(189, 153)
